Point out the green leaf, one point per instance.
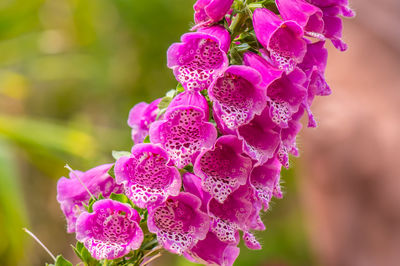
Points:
(119, 154)
(38, 134)
(12, 208)
(111, 171)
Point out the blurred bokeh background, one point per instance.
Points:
(70, 70)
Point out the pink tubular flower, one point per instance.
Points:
(111, 231)
(192, 184)
(288, 139)
(146, 176)
(210, 11)
(212, 251)
(71, 194)
(183, 133)
(332, 9)
(265, 181)
(200, 57)
(238, 212)
(179, 223)
(286, 95)
(261, 137)
(313, 65)
(237, 96)
(283, 39)
(140, 118)
(191, 98)
(286, 92)
(306, 15)
(268, 72)
(223, 168)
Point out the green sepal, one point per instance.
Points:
(111, 171)
(146, 139)
(84, 254)
(120, 197)
(60, 261)
(118, 154)
(179, 88)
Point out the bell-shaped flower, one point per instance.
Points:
(286, 95)
(223, 168)
(200, 58)
(261, 137)
(265, 181)
(250, 240)
(268, 72)
(191, 98)
(179, 223)
(237, 96)
(111, 231)
(332, 9)
(305, 14)
(72, 195)
(146, 176)
(212, 251)
(286, 92)
(239, 211)
(184, 132)
(210, 11)
(283, 39)
(288, 139)
(140, 118)
(192, 184)
(314, 65)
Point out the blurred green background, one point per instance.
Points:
(70, 70)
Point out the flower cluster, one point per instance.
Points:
(207, 158)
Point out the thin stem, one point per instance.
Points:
(80, 181)
(40, 243)
(150, 260)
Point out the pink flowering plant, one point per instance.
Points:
(206, 158)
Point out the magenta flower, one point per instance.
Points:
(111, 231)
(200, 58)
(250, 241)
(183, 133)
(146, 175)
(332, 9)
(212, 251)
(283, 39)
(210, 11)
(286, 92)
(286, 95)
(223, 168)
(265, 181)
(192, 184)
(179, 223)
(261, 137)
(191, 98)
(237, 212)
(237, 96)
(268, 72)
(71, 194)
(288, 139)
(140, 118)
(308, 16)
(313, 65)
